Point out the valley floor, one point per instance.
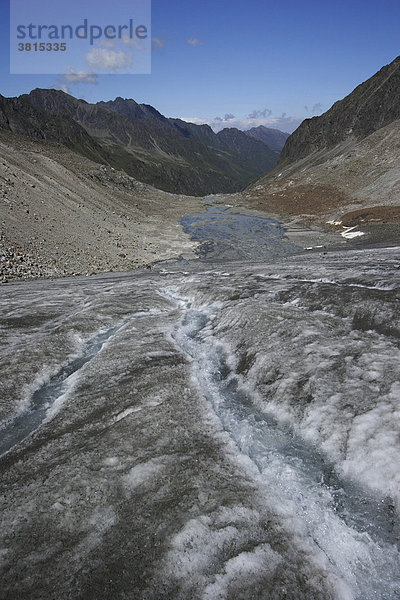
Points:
(64, 215)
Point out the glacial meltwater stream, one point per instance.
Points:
(357, 535)
(210, 430)
(47, 394)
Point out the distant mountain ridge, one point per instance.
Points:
(274, 138)
(170, 154)
(20, 116)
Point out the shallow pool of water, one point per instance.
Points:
(223, 235)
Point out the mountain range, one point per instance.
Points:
(72, 173)
(170, 154)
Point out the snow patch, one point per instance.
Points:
(349, 233)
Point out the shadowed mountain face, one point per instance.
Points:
(132, 110)
(230, 146)
(168, 153)
(343, 167)
(19, 116)
(274, 138)
(372, 105)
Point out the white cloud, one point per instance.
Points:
(106, 43)
(195, 120)
(256, 114)
(157, 43)
(225, 118)
(194, 42)
(73, 76)
(132, 42)
(102, 58)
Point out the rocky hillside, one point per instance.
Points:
(167, 153)
(62, 214)
(342, 169)
(18, 115)
(372, 105)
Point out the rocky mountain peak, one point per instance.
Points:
(372, 105)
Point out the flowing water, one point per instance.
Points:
(213, 430)
(358, 533)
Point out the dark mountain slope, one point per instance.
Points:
(168, 153)
(274, 138)
(372, 105)
(342, 168)
(229, 139)
(97, 120)
(246, 148)
(19, 116)
(249, 156)
(132, 110)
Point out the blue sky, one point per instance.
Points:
(240, 63)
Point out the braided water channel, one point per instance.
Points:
(23, 425)
(226, 235)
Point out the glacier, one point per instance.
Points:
(204, 430)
